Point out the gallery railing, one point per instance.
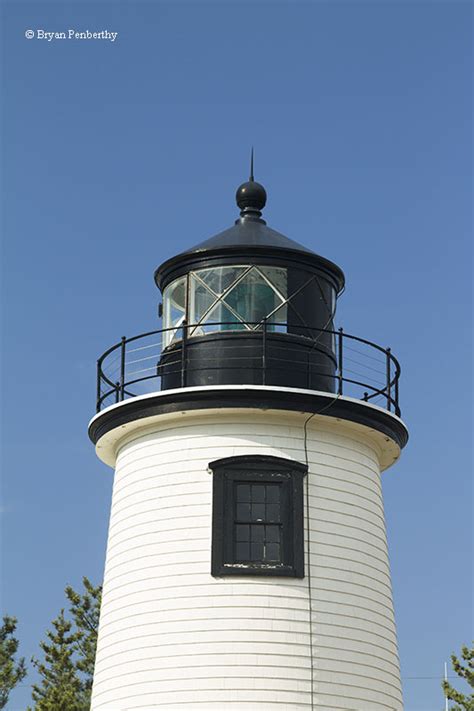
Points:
(362, 369)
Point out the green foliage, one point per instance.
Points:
(60, 688)
(69, 655)
(85, 610)
(465, 670)
(11, 671)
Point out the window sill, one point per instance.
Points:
(262, 570)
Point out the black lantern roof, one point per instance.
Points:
(249, 238)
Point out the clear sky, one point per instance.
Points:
(119, 154)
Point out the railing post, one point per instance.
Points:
(308, 368)
(366, 397)
(117, 391)
(308, 362)
(97, 403)
(397, 407)
(389, 399)
(340, 378)
(264, 351)
(183, 353)
(122, 368)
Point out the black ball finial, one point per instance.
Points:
(251, 196)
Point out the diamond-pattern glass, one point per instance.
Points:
(220, 278)
(234, 294)
(252, 298)
(278, 277)
(221, 318)
(201, 300)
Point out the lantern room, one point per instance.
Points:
(249, 306)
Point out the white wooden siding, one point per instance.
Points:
(174, 638)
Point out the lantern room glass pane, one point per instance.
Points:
(202, 300)
(253, 298)
(174, 310)
(220, 278)
(226, 299)
(220, 318)
(278, 276)
(207, 310)
(277, 321)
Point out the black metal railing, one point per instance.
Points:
(361, 369)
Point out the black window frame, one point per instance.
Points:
(257, 469)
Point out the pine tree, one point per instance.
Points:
(463, 702)
(11, 671)
(60, 688)
(85, 611)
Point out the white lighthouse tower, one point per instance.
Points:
(247, 565)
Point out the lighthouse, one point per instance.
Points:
(247, 564)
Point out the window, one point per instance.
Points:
(174, 310)
(257, 516)
(236, 298)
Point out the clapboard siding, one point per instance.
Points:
(172, 637)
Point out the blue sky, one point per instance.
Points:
(119, 154)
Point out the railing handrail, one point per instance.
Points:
(119, 387)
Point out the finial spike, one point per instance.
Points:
(251, 196)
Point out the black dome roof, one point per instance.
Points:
(248, 238)
(249, 232)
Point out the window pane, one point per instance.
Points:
(272, 551)
(243, 493)
(258, 512)
(220, 318)
(243, 512)
(258, 493)
(272, 534)
(272, 512)
(256, 551)
(253, 298)
(279, 278)
(273, 494)
(242, 552)
(176, 294)
(242, 533)
(220, 278)
(258, 533)
(174, 302)
(201, 300)
(278, 321)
